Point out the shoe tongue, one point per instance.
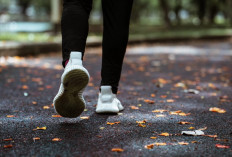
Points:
(75, 58)
(106, 90)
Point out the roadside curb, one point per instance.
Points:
(25, 49)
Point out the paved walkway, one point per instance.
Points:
(155, 90)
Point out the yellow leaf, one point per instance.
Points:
(112, 123)
(184, 123)
(141, 122)
(215, 109)
(160, 144)
(164, 134)
(141, 125)
(183, 143)
(36, 138)
(56, 139)
(159, 111)
(191, 127)
(10, 116)
(117, 150)
(170, 100)
(56, 116)
(84, 117)
(134, 107)
(41, 128)
(46, 107)
(153, 137)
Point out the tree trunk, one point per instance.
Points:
(165, 9)
(177, 11)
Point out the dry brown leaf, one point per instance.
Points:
(24, 87)
(36, 138)
(153, 137)
(56, 139)
(8, 146)
(160, 115)
(10, 116)
(183, 143)
(141, 125)
(8, 139)
(216, 109)
(164, 134)
(159, 111)
(46, 107)
(84, 117)
(112, 123)
(149, 101)
(149, 146)
(221, 146)
(134, 107)
(41, 128)
(141, 122)
(160, 144)
(117, 150)
(170, 100)
(213, 136)
(56, 116)
(184, 123)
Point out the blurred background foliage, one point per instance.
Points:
(21, 20)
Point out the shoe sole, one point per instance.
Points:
(71, 102)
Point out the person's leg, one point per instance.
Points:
(116, 19)
(74, 26)
(69, 101)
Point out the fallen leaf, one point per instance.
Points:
(170, 100)
(117, 150)
(183, 143)
(56, 139)
(8, 146)
(34, 102)
(36, 138)
(134, 107)
(191, 127)
(152, 95)
(41, 128)
(8, 139)
(24, 87)
(221, 146)
(149, 101)
(141, 125)
(159, 111)
(215, 109)
(46, 107)
(193, 141)
(164, 134)
(202, 128)
(141, 122)
(160, 115)
(153, 137)
(56, 116)
(112, 123)
(10, 116)
(184, 123)
(160, 144)
(149, 146)
(214, 136)
(84, 117)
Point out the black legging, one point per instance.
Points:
(116, 17)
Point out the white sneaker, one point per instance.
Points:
(107, 101)
(69, 101)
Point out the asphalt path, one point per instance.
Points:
(155, 89)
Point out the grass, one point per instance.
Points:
(136, 32)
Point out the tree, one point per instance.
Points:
(165, 9)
